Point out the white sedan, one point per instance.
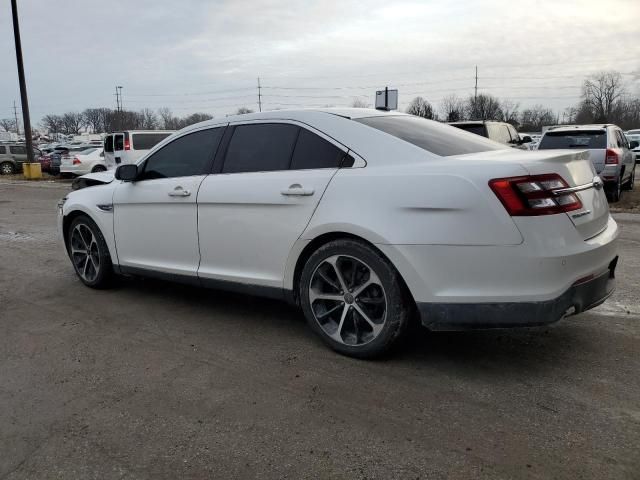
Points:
(365, 219)
(83, 162)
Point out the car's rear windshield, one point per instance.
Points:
(434, 137)
(477, 129)
(146, 141)
(574, 139)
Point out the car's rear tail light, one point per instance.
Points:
(611, 157)
(127, 145)
(535, 195)
(76, 161)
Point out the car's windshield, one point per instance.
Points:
(574, 139)
(434, 137)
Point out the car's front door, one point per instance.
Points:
(155, 217)
(251, 212)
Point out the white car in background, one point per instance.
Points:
(90, 160)
(365, 219)
(634, 137)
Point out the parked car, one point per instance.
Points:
(129, 146)
(360, 217)
(83, 162)
(608, 149)
(500, 132)
(634, 138)
(12, 156)
(633, 132)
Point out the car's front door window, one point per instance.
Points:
(188, 155)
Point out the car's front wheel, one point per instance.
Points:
(354, 298)
(632, 180)
(89, 253)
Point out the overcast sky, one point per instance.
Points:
(207, 55)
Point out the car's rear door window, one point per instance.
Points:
(108, 144)
(432, 136)
(574, 139)
(312, 151)
(18, 149)
(261, 147)
(3, 149)
(478, 129)
(185, 156)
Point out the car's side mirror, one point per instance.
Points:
(526, 139)
(127, 173)
(633, 144)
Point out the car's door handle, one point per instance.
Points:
(297, 190)
(179, 192)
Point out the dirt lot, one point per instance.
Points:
(155, 380)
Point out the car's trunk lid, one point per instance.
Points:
(576, 169)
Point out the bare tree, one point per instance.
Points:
(167, 120)
(243, 110)
(72, 122)
(147, 119)
(93, 119)
(483, 107)
(510, 113)
(8, 124)
(421, 108)
(52, 123)
(601, 91)
(194, 118)
(536, 117)
(452, 108)
(360, 103)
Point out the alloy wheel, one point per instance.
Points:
(6, 169)
(84, 252)
(348, 300)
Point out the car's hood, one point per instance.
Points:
(92, 179)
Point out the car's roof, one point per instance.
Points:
(573, 128)
(476, 122)
(300, 115)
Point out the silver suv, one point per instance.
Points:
(609, 150)
(12, 156)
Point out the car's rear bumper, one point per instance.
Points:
(466, 316)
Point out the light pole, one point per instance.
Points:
(23, 84)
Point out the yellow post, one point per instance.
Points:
(32, 171)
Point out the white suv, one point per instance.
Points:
(609, 150)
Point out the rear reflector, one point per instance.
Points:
(534, 195)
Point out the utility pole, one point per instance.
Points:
(475, 95)
(15, 113)
(259, 96)
(119, 107)
(23, 83)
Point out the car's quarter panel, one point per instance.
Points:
(247, 226)
(155, 228)
(446, 201)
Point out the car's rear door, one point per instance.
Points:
(155, 217)
(265, 189)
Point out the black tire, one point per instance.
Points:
(398, 307)
(98, 168)
(104, 271)
(615, 191)
(7, 168)
(632, 180)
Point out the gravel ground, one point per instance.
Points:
(155, 380)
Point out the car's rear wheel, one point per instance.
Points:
(98, 168)
(6, 168)
(615, 191)
(354, 299)
(89, 253)
(632, 180)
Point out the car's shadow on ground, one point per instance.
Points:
(526, 349)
